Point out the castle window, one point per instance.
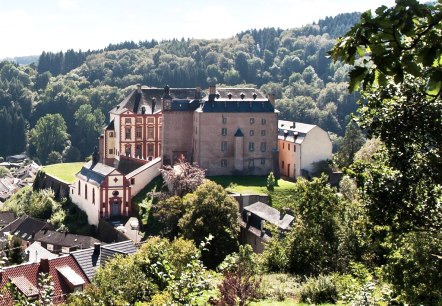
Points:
(127, 120)
(111, 134)
(93, 196)
(263, 161)
(224, 131)
(139, 120)
(263, 132)
(150, 133)
(282, 165)
(138, 151)
(224, 146)
(263, 147)
(79, 188)
(150, 149)
(85, 191)
(252, 132)
(132, 181)
(288, 148)
(252, 120)
(128, 150)
(111, 151)
(263, 121)
(138, 132)
(224, 120)
(223, 163)
(251, 146)
(294, 148)
(151, 120)
(128, 131)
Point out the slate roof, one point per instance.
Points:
(150, 98)
(65, 239)
(90, 260)
(25, 277)
(25, 227)
(239, 133)
(270, 214)
(94, 174)
(6, 217)
(110, 126)
(296, 131)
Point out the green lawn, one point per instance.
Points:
(249, 184)
(64, 171)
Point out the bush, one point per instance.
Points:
(321, 289)
(271, 182)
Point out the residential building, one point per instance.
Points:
(25, 228)
(92, 258)
(253, 229)
(301, 145)
(58, 242)
(6, 217)
(66, 276)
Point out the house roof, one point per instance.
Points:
(150, 99)
(36, 252)
(62, 270)
(293, 131)
(270, 214)
(110, 126)
(90, 259)
(25, 227)
(6, 217)
(64, 239)
(239, 133)
(94, 174)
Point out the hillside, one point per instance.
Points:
(84, 86)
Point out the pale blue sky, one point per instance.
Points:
(27, 27)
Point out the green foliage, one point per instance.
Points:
(353, 140)
(161, 270)
(3, 171)
(49, 135)
(169, 211)
(210, 211)
(271, 182)
(14, 251)
(320, 289)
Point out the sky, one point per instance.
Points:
(28, 27)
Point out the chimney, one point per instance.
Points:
(294, 125)
(143, 110)
(242, 95)
(44, 265)
(139, 88)
(254, 96)
(212, 93)
(286, 133)
(137, 98)
(95, 156)
(166, 90)
(97, 248)
(229, 95)
(153, 105)
(271, 98)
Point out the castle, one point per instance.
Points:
(228, 131)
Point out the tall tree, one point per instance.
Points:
(210, 211)
(49, 134)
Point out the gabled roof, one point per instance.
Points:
(94, 174)
(65, 239)
(62, 271)
(239, 133)
(25, 227)
(150, 99)
(36, 252)
(270, 214)
(293, 131)
(91, 259)
(110, 126)
(6, 217)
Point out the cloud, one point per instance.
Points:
(68, 4)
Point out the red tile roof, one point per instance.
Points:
(25, 275)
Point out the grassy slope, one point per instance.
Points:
(65, 171)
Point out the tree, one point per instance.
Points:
(14, 251)
(210, 211)
(89, 124)
(399, 72)
(169, 211)
(48, 135)
(182, 178)
(352, 142)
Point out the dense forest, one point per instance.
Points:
(82, 86)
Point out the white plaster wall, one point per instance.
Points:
(91, 210)
(315, 147)
(144, 177)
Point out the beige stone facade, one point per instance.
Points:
(229, 131)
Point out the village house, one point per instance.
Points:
(253, 224)
(65, 273)
(301, 145)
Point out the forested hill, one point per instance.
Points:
(83, 86)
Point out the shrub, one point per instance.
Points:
(271, 182)
(321, 289)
